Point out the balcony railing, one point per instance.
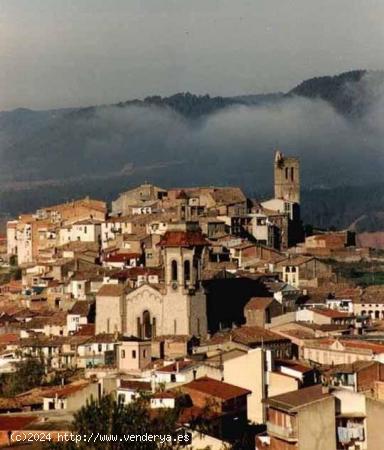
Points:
(287, 433)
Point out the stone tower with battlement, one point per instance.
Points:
(287, 178)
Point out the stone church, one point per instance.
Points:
(287, 178)
(175, 306)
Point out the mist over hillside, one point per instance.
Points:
(334, 124)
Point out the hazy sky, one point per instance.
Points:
(56, 53)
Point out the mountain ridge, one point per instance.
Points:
(211, 140)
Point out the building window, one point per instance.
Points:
(292, 174)
(174, 270)
(187, 271)
(147, 328)
(286, 173)
(100, 347)
(122, 354)
(174, 327)
(133, 354)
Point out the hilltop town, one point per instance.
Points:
(198, 293)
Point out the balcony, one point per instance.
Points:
(286, 433)
(348, 435)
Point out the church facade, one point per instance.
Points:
(175, 307)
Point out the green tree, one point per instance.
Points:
(29, 374)
(109, 417)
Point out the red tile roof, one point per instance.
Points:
(294, 400)
(294, 365)
(259, 303)
(86, 330)
(332, 313)
(165, 394)
(181, 365)
(122, 257)
(111, 290)
(65, 391)
(375, 347)
(9, 338)
(215, 388)
(182, 239)
(352, 344)
(134, 272)
(10, 423)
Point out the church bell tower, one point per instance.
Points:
(287, 178)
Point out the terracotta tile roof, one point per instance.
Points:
(296, 333)
(111, 290)
(33, 397)
(22, 313)
(79, 246)
(166, 394)
(354, 367)
(182, 239)
(295, 400)
(81, 308)
(40, 340)
(10, 423)
(103, 338)
(174, 367)
(254, 335)
(37, 323)
(122, 257)
(295, 261)
(86, 330)
(9, 338)
(351, 344)
(246, 335)
(215, 388)
(228, 195)
(332, 313)
(65, 391)
(134, 272)
(7, 404)
(135, 385)
(59, 318)
(363, 345)
(294, 365)
(86, 201)
(259, 303)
